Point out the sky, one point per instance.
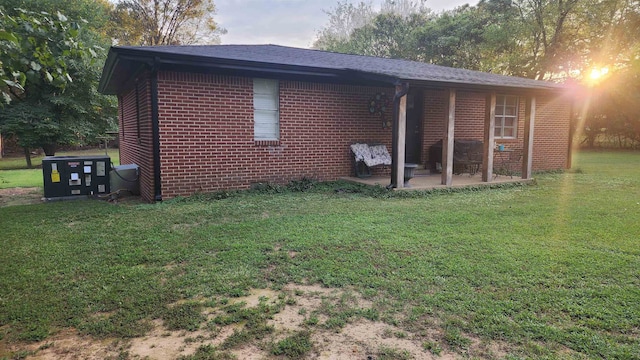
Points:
(286, 22)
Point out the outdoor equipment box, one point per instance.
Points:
(68, 177)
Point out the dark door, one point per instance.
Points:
(413, 144)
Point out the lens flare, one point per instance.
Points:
(598, 73)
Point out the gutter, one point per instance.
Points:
(155, 130)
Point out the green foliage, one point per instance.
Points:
(187, 316)
(208, 352)
(432, 347)
(51, 68)
(610, 115)
(33, 48)
(94, 13)
(390, 353)
(123, 324)
(295, 346)
(361, 30)
(456, 340)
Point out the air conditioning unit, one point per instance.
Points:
(125, 177)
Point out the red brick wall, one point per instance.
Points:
(136, 145)
(206, 132)
(551, 133)
(435, 113)
(469, 122)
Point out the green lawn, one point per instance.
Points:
(13, 171)
(549, 270)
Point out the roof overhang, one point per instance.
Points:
(125, 63)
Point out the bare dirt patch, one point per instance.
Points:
(359, 338)
(20, 196)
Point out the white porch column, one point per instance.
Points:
(489, 136)
(401, 141)
(447, 142)
(527, 151)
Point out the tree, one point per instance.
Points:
(610, 109)
(51, 78)
(389, 35)
(95, 14)
(389, 32)
(165, 22)
(343, 20)
(453, 39)
(559, 37)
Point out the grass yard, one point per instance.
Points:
(544, 271)
(14, 172)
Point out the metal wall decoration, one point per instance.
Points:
(380, 104)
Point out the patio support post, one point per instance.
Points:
(489, 136)
(447, 142)
(529, 122)
(399, 135)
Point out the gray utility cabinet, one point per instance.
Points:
(69, 177)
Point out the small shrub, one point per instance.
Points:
(294, 346)
(37, 332)
(184, 317)
(432, 347)
(370, 314)
(236, 339)
(267, 188)
(120, 324)
(208, 352)
(456, 340)
(312, 320)
(290, 301)
(301, 185)
(389, 353)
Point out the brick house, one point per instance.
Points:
(207, 118)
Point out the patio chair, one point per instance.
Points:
(509, 162)
(367, 156)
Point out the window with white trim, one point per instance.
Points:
(506, 117)
(266, 110)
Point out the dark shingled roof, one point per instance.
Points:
(323, 61)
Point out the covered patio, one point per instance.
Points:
(488, 168)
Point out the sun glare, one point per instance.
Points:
(598, 73)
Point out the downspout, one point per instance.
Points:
(402, 88)
(155, 131)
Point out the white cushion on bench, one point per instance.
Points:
(371, 155)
